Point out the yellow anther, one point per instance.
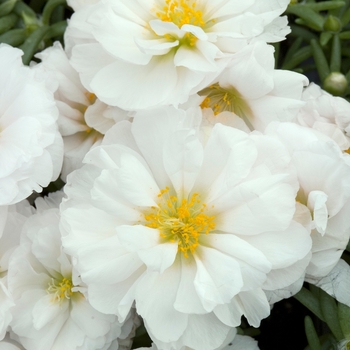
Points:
(182, 222)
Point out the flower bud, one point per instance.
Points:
(336, 84)
(332, 24)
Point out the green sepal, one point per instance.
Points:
(320, 60)
(312, 18)
(30, 46)
(7, 7)
(311, 334)
(330, 314)
(14, 37)
(7, 22)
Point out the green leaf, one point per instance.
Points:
(330, 314)
(311, 17)
(325, 5)
(325, 37)
(56, 30)
(301, 55)
(48, 9)
(344, 35)
(7, 22)
(7, 7)
(14, 37)
(344, 319)
(305, 297)
(335, 63)
(300, 32)
(311, 334)
(30, 46)
(320, 60)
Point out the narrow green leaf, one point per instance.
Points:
(14, 37)
(345, 35)
(310, 16)
(311, 334)
(7, 7)
(325, 5)
(344, 319)
(301, 55)
(31, 44)
(305, 297)
(48, 9)
(335, 63)
(299, 32)
(21, 8)
(345, 18)
(320, 60)
(56, 30)
(291, 51)
(325, 37)
(330, 314)
(7, 22)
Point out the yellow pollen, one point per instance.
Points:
(180, 221)
(90, 96)
(347, 151)
(181, 12)
(61, 290)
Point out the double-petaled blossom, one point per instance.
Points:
(191, 232)
(51, 307)
(327, 114)
(141, 54)
(31, 147)
(83, 118)
(323, 173)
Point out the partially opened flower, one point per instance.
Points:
(250, 88)
(191, 232)
(51, 308)
(83, 118)
(31, 147)
(142, 54)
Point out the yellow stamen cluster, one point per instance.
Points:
(60, 290)
(218, 99)
(181, 221)
(181, 12)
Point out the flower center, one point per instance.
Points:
(60, 290)
(181, 221)
(181, 12)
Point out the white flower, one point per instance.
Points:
(142, 54)
(83, 119)
(323, 175)
(30, 145)
(12, 218)
(51, 308)
(192, 233)
(327, 114)
(252, 89)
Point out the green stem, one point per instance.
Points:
(48, 9)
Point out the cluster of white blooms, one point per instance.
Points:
(202, 184)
